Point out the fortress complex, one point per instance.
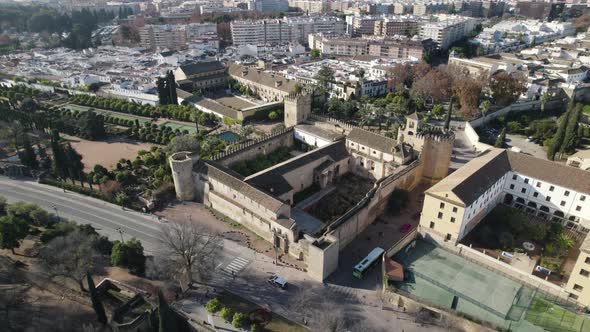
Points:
(280, 203)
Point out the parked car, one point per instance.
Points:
(405, 228)
(278, 282)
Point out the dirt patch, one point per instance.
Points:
(106, 153)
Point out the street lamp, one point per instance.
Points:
(118, 229)
(56, 213)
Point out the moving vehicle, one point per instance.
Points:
(278, 282)
(364, 265)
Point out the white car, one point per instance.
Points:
(278, 282)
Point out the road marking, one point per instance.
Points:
(235, 266)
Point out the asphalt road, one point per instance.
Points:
(250, 270)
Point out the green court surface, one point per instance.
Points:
(181, 127)
(552, 317)
(435, 276)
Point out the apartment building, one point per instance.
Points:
(578, 284)
(163, 36)
(362, 25)
(548, 190)
(447, 29)
(268, 86)
(396, 26)
(380, 47)
(278, 31)
(268, 6)
(429, 8)
(311, 6)
(174, 37)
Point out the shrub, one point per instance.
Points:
(255, 328)
(239, 320)
(506, 240)
(213, 305)
(130, 255)
(226, 313)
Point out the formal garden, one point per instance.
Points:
(262, 162)
(513, 231)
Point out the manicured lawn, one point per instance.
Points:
(553, 317)
(277, 324)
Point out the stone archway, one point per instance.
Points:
(508, 199)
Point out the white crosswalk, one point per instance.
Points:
(235, 266)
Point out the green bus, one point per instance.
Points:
(364, 265)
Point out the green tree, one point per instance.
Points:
(213, 305)
(2, 205)
(130, 255)
(74, 163)
(437, 110)
(59, 157)
(12, 231)
(544, 99)
(226, 313)
(239, 320)
(571, 130)
(314, 54)
(96, 303)
(162, 92)
(501, 138)
(324, 77)
(27, 156)
(92, 126)
(449, 115)
(171, 85)
(559, 136)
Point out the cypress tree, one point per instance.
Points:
(166, 318)
(96, 303)
(557, 139)
(501, 138)
(449, 114)
(59, 158)
(171, 83)
(162, 93)
(28, 156)
(569, 141)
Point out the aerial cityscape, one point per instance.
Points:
(295, 165)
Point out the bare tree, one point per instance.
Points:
(70, 256)
(190, 248)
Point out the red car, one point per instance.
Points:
(405, 228)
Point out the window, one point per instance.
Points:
(566, 193)
(582, 198)
(440, 215)
(448, 237)
(584, 273)
(562, 203)
(523, 190)
(538, 184)
(452, 219)
(578, 287)
(442, 205)
(551, 188)
(578, 208)
(374, 152)
(511, 186)
(432, 224)
(573, 296)
(514, 177)
(536, 194)
(548, 198)
(362, 148)
(526, 180)
(455, 209)
(587, 261)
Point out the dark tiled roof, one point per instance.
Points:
(474, 178)
(233, 180)
(549, 171)
(272, 180)
(372, 140)
(201, 67)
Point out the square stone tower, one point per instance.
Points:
(297, 108)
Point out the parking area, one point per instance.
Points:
(525, 146)
(384, 232)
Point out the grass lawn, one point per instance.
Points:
(277, 324)
(553, 317)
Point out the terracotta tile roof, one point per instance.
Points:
(262, 77)
(372, 140)
(201, 67)
(474, 178)
(272, 180)
(234, 181)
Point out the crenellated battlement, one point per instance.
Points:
(436, 134)
(259, 141)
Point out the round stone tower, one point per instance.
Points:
(436, 154)
(181, 164)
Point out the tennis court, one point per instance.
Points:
(182, 127)
(436, 276)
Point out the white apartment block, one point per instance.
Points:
(278, 31)
(311, 6)
(447, 30)
(163, 36)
